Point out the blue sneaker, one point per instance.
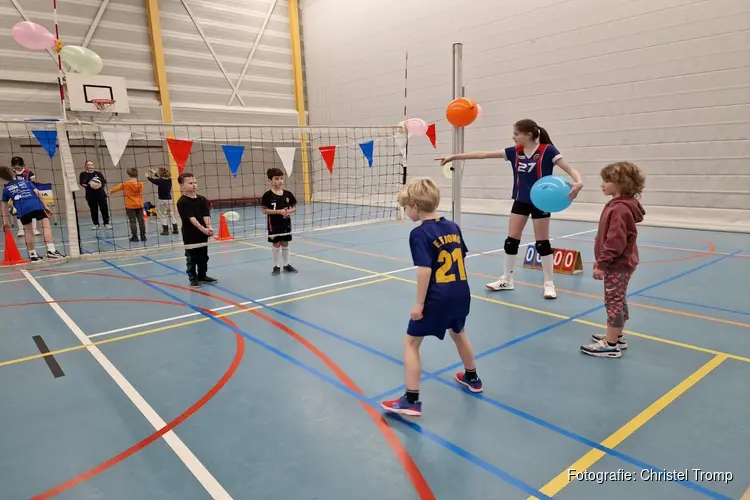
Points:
(402, 406)
(601, 349)
(474, 386)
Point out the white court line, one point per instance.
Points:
(308, 290)
(212, 486)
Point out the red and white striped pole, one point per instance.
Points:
(58, 47)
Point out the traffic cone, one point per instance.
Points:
(224, 234)
(12, 255)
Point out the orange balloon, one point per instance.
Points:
(461, 112)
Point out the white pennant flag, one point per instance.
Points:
(116, 141)
(401, 143)
(287, 158)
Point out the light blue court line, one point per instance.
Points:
(454, 448)
(693, 304)
(547, 328)
(453, 385)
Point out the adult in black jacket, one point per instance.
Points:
(96, 194)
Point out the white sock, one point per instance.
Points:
(548, 267)
(285, 255)
(275, 252)
(50, 247)
(32, 253)
(510, 263)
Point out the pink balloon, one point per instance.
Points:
(479, 112)
(33, 36)
(416, 127)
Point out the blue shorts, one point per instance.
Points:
(436, 321)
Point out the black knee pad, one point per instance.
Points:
(511, 246)
(544, 248)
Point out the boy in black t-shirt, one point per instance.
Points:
(279, 204)
(195, 213)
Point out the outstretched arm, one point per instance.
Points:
(478, 155)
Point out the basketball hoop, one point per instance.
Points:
(104, 105)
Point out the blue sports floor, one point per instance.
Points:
(266, 387)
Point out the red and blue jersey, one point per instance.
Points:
(527, 170)
(439, 245)
(21, 193)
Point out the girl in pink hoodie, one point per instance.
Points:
(616, 252)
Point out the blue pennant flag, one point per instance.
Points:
(233, 155)
(367, 150)
(48, 140)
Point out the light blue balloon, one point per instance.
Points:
(550, 194)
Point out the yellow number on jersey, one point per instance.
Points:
(443, 274)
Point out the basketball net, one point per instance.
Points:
(104, 105)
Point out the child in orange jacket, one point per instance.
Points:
(133, 191)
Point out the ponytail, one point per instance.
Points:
(544, 136)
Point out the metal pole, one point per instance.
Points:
(458, 132)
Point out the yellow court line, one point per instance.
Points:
(106, 268)
(564, 478)
(559, 290)
(244, 309)
(529, 309)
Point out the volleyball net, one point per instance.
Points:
(339, 176)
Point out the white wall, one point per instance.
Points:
(199, 82)
(198, 89)
(664, 83)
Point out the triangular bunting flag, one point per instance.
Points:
(180, 151)
(116, 141)
(233, 154)
(431, 134)
(48, 140)
(367, 150)
(401, 143)
(328, 153)
(286, 154)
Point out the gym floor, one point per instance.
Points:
(120, 382)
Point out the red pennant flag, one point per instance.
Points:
(180, 150)
(431, 134)
(328, 153)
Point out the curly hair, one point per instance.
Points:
(627, 176)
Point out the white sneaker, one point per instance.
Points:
(501, 284)
(19, 233)
(549, 290)
(36, 232)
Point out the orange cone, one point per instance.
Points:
(12, 255)
(224, 234)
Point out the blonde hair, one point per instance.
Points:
(422, 193)
(627, 176)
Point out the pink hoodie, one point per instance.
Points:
(615, 247)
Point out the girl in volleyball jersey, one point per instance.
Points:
(533, 157)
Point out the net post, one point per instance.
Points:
(70, 185)
(458, 132)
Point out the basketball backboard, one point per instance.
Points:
(83, 89)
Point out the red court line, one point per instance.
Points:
(410, 467)
(228, 374)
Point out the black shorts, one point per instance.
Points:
(36, 214)
(526, 209)
(283, 237)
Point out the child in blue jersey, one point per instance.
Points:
(443, 296)
(20, 172)
(28, 205)
(533, 157)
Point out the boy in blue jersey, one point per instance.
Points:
(443, 296)
(28, 205)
